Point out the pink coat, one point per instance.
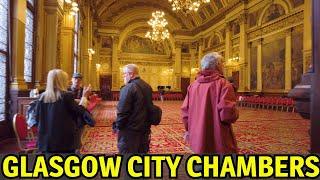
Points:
(208, 111)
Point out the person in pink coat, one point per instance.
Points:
(209, 109)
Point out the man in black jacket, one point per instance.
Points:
(132, 124)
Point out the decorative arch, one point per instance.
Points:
(215, 39)
(125, 33)
(287, 6)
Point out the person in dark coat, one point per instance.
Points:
(132, 124)
(301, 93)
(57, 116)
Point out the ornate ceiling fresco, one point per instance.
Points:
(121, 13)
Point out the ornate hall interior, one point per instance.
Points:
(267, 46)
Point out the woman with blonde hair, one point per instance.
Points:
(57, 115)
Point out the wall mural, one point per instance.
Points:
(218, 4)
(136, 44)
(297, 58)
(215, 41)
(253, 68)
(253, 18)
(235, 28)
(106, 42)
(273, 12)
(185, 48)
(297, 3)
(273, 64)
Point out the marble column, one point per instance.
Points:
(67, 43)
(193, 64)
(52, 19)
(18, 49)
(307, 35)
(288, 81)
(115, 65)
(200, 50)
(243, 85)
(249, 67)
(259, 66)
(177, 66)
(38, 68)
(228, 50)
(86, 42)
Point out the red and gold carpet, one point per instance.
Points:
(257, 132)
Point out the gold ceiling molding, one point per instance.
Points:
(110, 10)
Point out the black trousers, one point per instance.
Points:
(133, 142)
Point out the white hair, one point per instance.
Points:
(131, 68)
(211, 61)
(57, 82)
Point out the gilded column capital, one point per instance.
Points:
(200, 41)
(259, 41)
(53, 7)
(115, 39)
(288, 32)
(178, 44)
(193, 46)
(228, 26)
(242, 19)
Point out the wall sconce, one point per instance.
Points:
(91, 51)
(234, 59)
(194, 70)
(98, 66)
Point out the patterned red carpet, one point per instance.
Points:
(257, 132)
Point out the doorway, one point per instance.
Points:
(105, 87)
(185, 82)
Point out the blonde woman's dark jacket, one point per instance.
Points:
(58, 124)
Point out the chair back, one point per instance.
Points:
(25, 142)
(20, 127)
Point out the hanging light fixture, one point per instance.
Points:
(187, 5)
(159, 30)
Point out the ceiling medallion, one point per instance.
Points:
(159, 30)
(187, 5)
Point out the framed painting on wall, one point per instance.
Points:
(273, 65)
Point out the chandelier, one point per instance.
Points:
(187, 5)
(159, 29)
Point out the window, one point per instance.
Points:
(29, 41)
(76, 43)
(4, 29)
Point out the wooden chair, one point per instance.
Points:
(25, 138)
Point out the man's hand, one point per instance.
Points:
(86, 91)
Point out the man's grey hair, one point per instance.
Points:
(131, 68)
(211, 61)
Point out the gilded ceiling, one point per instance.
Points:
(121, 13)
